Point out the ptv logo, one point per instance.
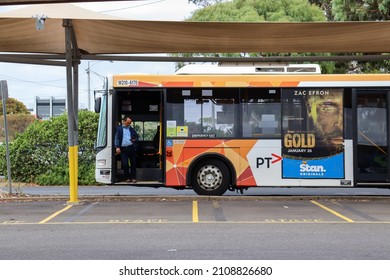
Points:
(268, 160)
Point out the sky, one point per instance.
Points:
(26, 82)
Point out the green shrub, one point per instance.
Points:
(40, 154)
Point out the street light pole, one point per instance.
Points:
(89, 87)
(88, 70)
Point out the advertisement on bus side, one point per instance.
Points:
(312, 143)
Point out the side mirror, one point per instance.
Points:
(98, 103)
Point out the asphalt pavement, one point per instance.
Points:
(213, 228)
(136, 190)
(125, 222)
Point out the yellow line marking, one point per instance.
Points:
(55, 214)
(195, 217)
(202, 222)
(332, 211)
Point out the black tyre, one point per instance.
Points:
(210, 177)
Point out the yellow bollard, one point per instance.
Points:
(73, 175)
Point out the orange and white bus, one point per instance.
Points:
(229, 127)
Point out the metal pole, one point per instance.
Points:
(51, 106)
(89, 87)
(76, 121)
(4, 94)
(73, 189)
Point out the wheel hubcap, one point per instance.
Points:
(209, 177)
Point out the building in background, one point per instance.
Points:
(45, 108)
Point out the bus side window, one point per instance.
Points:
(206, 112)
(261, 113)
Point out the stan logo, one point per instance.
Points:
(304, 167)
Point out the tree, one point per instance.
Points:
(17, 123)
(357, 10)
(301, 11)
(13, 106)
(258, 11)
(18, 118)
(361, 10)
(204, 3)
(339, 10)
(326, 6)
(40, 154)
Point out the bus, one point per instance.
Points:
(232, 127)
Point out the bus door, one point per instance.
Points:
(144, 108)
(372, 136)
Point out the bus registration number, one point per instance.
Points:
(127, 82)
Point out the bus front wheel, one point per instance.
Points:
(210, 177)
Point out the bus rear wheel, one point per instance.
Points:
(210, 177)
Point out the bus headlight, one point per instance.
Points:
(101, 162)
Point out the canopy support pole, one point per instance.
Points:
(72, 108)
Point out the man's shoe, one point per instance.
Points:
(133, 180)
(128, 181)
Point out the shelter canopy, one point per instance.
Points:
(101, 34)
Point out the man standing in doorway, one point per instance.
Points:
(126, 139)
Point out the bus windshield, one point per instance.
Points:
(102, 129)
